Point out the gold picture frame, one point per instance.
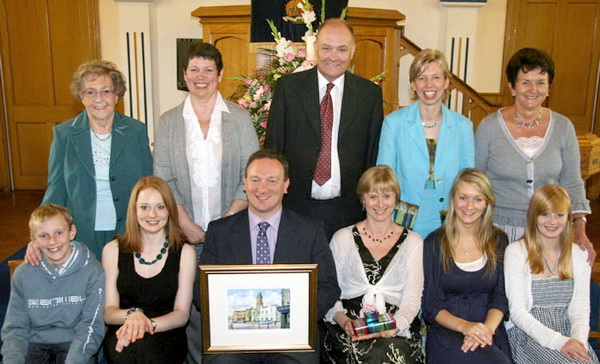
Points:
(258, 308)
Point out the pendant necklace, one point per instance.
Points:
(158, 257)
(552, 271)
(376, 240)
(530, 125)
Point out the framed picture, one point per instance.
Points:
(258, 308)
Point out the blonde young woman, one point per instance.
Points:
(548, 285)
(464, 303)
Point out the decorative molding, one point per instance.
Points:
(463, 4)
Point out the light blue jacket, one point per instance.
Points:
(402, 146)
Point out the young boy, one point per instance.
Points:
(56, 309)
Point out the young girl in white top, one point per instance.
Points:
(548, 285)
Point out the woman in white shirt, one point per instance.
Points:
(379, 265)
(200, 150)
(548, 285)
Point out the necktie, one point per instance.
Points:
(263, 255)
(323, 170)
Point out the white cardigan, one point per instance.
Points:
(401, 283)
(517, 277)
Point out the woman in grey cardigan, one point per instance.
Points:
(201, 148)
(525, 146)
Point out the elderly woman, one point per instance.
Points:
(524, 146)
(379, 264)
(464, 304)
(149, 278)
(96, 158)
(201, 149)
(426, 143)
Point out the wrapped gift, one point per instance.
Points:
(363, 327)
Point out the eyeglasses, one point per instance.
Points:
(91, 93)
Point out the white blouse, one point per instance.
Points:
(518, 279)
(204, 161)
(401, 283)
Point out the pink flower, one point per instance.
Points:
(253, 105)
(243, 102)
(264, 124)
(290, 57)
(302, 52)
(258, 93)
(266, 88)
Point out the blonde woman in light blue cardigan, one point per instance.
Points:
(403, 145)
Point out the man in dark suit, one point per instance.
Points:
(326, 160)
(268, 233)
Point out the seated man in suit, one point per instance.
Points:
(327, 122)
(266, 233)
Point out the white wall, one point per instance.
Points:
(424, 25)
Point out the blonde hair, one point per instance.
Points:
(549, 199)
(424, 59)
(486, 233)
(131, 240)
(422, 62)
(380, 179)
(48, 211)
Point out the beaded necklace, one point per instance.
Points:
(158, 257)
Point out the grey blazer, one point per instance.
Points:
(170, 161)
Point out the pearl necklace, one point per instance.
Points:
(532, 124)
(102, 139)
(158, 257)
(376, 240)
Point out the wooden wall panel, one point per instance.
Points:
(575, 72)
(535, 18)
(369, 56)
(64, 17)
(34, 146)
(234, 50)
(42, 43)
(30, 51)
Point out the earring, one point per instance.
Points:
(513, 95)
(363, 205)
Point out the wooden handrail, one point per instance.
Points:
(474, 106)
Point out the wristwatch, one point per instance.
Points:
(583, 218)
(133, 309)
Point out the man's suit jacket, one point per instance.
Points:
(294, 129)
(299, 241)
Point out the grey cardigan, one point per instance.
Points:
(515, 177)
(170, 161)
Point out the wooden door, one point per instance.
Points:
(570, 31)
(42, 43)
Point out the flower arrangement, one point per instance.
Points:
(255, 91)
